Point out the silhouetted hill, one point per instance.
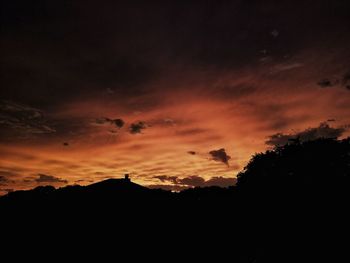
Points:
(290, 205)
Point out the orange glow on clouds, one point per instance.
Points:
(213, 110)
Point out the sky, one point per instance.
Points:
(176, 93)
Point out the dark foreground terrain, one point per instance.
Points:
(289, 205)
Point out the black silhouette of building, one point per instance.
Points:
(127, 178)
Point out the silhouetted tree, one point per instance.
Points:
(319, 164)
(286, 204)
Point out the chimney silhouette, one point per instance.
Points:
(127, 178)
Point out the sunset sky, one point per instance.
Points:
(175, 93)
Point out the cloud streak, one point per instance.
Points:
(203, 76)
(22, 119)
(193, 181)
(119, 123)
(3, 180)
(44, 178)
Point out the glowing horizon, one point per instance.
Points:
(159, 96)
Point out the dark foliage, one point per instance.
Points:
(290, 205)
(319, 164)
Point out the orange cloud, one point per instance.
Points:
(234, 110)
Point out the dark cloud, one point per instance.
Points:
(114, 125)
(346, 81)
(165, 178)
(220, 156)
(322, 131)
(326, 83)
(3, 180)
(23, 120)
(195, 181)
(119, 123)
(28, 180)
(55, 54)
(346, 78)
(102, 121)
(221, 181)
(192, 152)
(137, 127)
(44, 178)
(6, 177)
(84, 181)
(52, 55)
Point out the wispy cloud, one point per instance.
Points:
(285, 67)
(44, 178)
(23, 119)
